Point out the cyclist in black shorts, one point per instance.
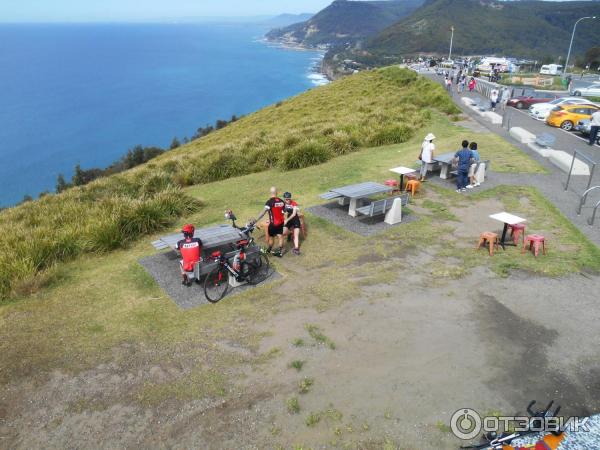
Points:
(292, 221)
(274, 206)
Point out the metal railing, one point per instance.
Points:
(583, 198)
(591, 219)
(589, 161)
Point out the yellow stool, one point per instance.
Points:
(413, 186)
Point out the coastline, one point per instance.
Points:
(319, 68)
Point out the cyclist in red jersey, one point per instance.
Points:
(275, 207)
(190, 249)
(292, 223)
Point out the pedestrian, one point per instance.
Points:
(474, 165)
(504, 98)
(448, 84)
(471, 84)
(462, 159)
(426, 155)
(594, 127)
(494, 98)
(275, 207)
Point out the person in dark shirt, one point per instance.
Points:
(292, 223)
(275, 208)
(462, 159)
(190, 248)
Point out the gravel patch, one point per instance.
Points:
(365, 226)
(164, 268)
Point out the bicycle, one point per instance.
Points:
(216, 283)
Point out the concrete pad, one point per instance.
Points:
(467, 101)
(542, 151)
(522, 135)
(164, 268)
(563, 161)
(362, 225)
(496, 119)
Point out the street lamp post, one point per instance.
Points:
(572, 36)
(451, 37)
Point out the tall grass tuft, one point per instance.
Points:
(305, 154)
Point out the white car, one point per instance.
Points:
(541, 111)
(593, 90)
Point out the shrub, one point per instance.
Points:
(392, 134)
(305, 154)
(341, 143)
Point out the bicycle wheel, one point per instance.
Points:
(216, 284)
(258, 270)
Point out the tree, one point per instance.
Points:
(174, 144)
(220, 124)
(61, 183)
(26, 198)
(592, 57)
(78, 178)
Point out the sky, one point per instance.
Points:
(146, 10)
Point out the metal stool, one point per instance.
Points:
(413, 186)
(515, 232)
(490, 239)
(534, 241)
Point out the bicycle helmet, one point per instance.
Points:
(287, 195)
(188, 230)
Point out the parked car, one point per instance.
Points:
(540, 111)
(593, 90)
(525, 101)
(584, 127)
(566, 116)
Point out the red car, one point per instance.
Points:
(525, 101)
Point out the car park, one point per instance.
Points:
(525, 101)
(584, 127)
(566, 116)
(540, 111)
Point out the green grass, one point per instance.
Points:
(305, 384)
(297, 364)
(298, 342)
(293, 405)
(319, 337)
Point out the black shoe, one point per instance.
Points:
(185, 281)
(278, 253)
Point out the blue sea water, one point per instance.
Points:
(84, 94)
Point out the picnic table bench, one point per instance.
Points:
(380, 207)
(221, 237)
(355, 193)
(445, 162)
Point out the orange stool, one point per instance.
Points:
(412, 186)
(393, 184)
(488, 238)
(534, 241)
(515, 232)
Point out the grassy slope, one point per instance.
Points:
(96, 305)
(374, 108)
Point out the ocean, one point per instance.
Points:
(84, 94)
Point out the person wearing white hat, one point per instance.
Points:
(426, 155)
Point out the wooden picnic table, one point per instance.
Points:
(355, 192)
(507, 219)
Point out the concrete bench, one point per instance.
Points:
(391, 207)
(563, 161)
(522, 135)
(467, 101)
(496, 119)
(330, 195)
(542, 151)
